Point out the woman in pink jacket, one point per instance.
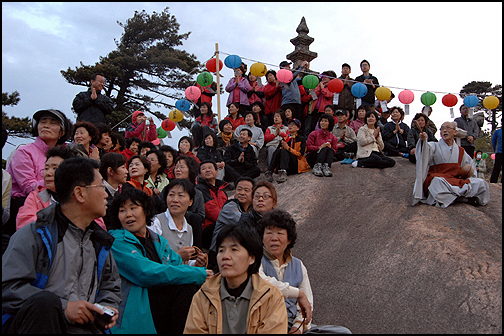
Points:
(238, 87)
(51, 128)
(321, 146)
(139, 129)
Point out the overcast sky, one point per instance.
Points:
(437, 47)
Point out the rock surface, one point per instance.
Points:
(379, 265)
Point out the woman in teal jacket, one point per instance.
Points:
(156, 288)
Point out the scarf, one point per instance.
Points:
(226, 137)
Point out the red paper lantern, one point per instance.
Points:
(284, 76)
(211, 65)
(449, 100)
(335, 85)
(168, 125)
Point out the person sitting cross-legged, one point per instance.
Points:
(240, 158)
(321, 146)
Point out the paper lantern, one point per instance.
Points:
(449, 100)
(233, 61)
(310, 81)
(176, 115)
(168, 125)
(335, 85)
(491, 102)
(161, 133)
(484, 156)
(183, 105)
(205, 78)
(493, 156)
(383, 93)
(359, 90)
(406, 97)
(284, 76)
(211, 65)
(471, 101)
(258, 69)
(428, 98)
(192, 93)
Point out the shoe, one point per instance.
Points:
(282, 176)
(326, 170)
(345, 161)
(269, 176)
(317, 169)
(354, 164)
(405, 155)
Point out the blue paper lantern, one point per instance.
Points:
(471, 101)
(233, 61)
(359, 90)
(183, 105)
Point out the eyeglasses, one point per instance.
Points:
(446, 127)
(96, 185)
(264, 196)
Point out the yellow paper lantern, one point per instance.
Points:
(176, 115)
(491, 102)
(383, 93)
(258, 69)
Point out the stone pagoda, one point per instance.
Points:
(301, 43)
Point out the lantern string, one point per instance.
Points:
(354, 81)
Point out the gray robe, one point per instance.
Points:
(441, 193)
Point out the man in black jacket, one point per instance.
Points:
(370, 81)
(91, 105)
(240, 158)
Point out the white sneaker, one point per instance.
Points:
(354, 164)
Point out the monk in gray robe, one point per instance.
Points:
(439, 178)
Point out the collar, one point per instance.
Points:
(246, 291)
(171, 223)
(273, 260)
(110, 188)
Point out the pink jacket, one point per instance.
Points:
(243, 86)
(139, 131)
(317, 138)
(356, 124)
(325, 96)
(37, 200)
(26, 167)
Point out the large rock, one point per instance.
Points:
(379, 265)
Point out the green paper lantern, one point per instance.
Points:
(205, 78)
(484, 156)
(161, 133)
(428, 98)
(310, 81)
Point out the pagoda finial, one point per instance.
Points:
(303, 27)
(302, 45)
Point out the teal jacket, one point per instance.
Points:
(139, 273)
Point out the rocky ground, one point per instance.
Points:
(379, 265)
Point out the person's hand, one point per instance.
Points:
(328, 144)
(151, 121)
(284, 144)
(470, 138)
(423, 136)
(221, 165)
(295, 330)
(209, 273)
(376, 132)
(306, 308)
(252, 143)
(80, 312)
(186, 252)
(95, 154)
(418, 126)
(94, 95)
(368, 81)
(241, 158)
(201, 259)
(412, 151)
(342, 135)
(277, 131)
(156, 190)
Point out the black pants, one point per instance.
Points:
(497, 168)
(350, 148)
(284, 160)
(394, 151)
(233, 173)
(170, 306)
(325, 155)
(41, 313)
(469, 150)
(198, 132)
(376, 160)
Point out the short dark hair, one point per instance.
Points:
(112, 160)
(76, 171)
(209, 106)
(401, 111)
(254, 115)
(270, 72)
(93, 131)
(193, 166)
(260, 104)
(136, 196)
(129, 141)
(246, 178)
(189, 139)
(368, 113)
(161, 158)
(93, 76)
(223, 122)
(329, 118)
(247, 237)
(167, 148)
(117, 138)
(364, 61)
(282, 114)
(63, 151)
(186, 185)
(249, 132)
(145, 144)
(145, 163)
(208, 161)
(346, 65)
(280, 219)
(270, 187)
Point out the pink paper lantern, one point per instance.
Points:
(193, 93)
(493, 156)
(284, 76)
(406, 97)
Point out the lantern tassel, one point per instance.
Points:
(336, 99)
(406, 109)
(168, 134)
(471, 112)
(358, 103)
(383, 106)
(452, 115)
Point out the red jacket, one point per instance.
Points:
(214, 198)
(127, 153)
(317, 138)
(139, 130)
(273, 96)
(325, 96)
(236, 122)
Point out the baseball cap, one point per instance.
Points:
(296, 121)
(284, 63)
(344, 112)
(53, 114)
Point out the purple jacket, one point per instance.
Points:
(244, 87)
(26, 167)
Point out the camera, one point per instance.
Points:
(102, 320)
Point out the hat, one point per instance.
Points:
(284, 63)
(344, 112)
(296, 121)
(53, 114)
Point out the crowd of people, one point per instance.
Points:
(186, 257)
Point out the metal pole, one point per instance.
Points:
(218, 81)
